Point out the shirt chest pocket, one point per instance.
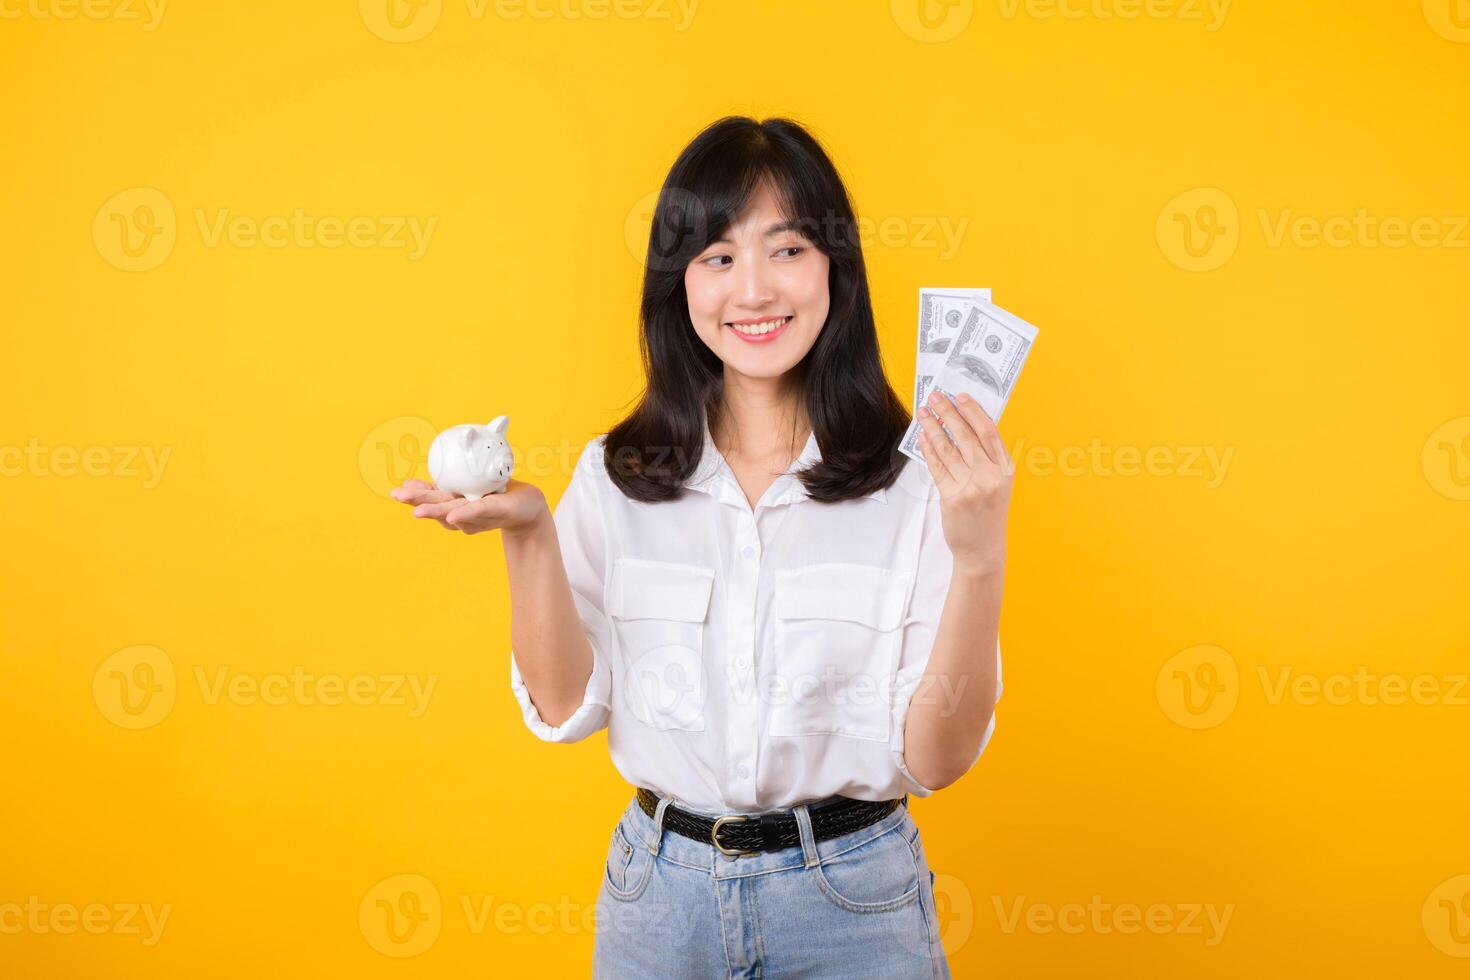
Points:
(837, 645)
(658, 610)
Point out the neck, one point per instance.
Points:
(762, 419)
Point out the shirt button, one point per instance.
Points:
(740, 662)
(748, 551)
(742, 771)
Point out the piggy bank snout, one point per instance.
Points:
(490, 457)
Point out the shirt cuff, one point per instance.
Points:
(904, 695)
(590, 716)
(906, 689)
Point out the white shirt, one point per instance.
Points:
(745, 661)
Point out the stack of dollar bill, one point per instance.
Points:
(966, 343)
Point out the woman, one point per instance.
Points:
(786, 625)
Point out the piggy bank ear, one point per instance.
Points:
(468, 438)
(498, 424)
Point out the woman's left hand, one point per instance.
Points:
(973, 475)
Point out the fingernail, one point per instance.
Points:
(923, 412)
(965, 397)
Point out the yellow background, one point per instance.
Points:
(274, 377)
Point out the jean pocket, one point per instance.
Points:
(628, 867)
(877, 876)
(837, 627)
(658, 610)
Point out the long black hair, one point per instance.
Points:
(854, 413)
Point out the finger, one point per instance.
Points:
(408, 488)
(956, 426)
(414, 491)
(474, 515)
(945, 464)
(984, 428)
(426, 496)
(438, 508)
(937, 471)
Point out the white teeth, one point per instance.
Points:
(757, 329)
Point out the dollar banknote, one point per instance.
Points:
(984, 359)
(941, 312)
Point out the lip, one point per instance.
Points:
(763, 338)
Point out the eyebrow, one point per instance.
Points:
(780, 227)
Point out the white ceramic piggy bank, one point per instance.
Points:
(472, 460)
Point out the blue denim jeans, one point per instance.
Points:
(856, 906)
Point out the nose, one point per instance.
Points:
(754, 289)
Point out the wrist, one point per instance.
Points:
(980, 573)
(538, 530)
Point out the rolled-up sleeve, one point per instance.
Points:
(920, 626)
(579, 519)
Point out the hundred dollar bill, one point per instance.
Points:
(984, 360)
(941, 310)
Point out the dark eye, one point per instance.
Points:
(714, 258)
(791, 248)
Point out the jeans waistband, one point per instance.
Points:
(643, 831)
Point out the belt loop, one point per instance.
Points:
(658, 823)
(808, 841)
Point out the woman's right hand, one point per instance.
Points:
(518, 507)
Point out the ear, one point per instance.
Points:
(468, 439)
(499, 424)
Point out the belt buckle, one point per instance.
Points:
(714, 835)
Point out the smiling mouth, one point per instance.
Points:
(759, 328)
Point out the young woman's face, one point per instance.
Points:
(758, 296)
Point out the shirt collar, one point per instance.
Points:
(714, 476)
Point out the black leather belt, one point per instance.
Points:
(751, 834)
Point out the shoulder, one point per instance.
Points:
(590, 465)
(593, 448)
(585, 483)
